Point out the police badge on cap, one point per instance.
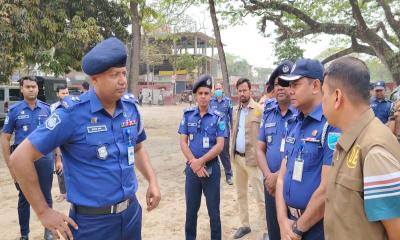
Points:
(203, 81)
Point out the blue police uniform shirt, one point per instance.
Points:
(269, 103)
(381, 109)
(305, 140)
(23, 120)
(273, 129)
(94, 146)
(224, 106)
(211, 125)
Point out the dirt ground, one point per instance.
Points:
(165, 222)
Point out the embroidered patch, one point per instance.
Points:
(52, 121)
(102, 152)
(221, 125)
(352, 157)
(333, 138)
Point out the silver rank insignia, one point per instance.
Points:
(102, 152)
(25, 128)
(191, 137)
(269, 139)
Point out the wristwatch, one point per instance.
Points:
(296, 230)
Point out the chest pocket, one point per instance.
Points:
(23, 123)
(311, 154)
(130, 134)
(192, 127)
(350, 183)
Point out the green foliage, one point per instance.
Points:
(287, 49)
(54, 34)
(189, 62)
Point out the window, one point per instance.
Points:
(15, 95)
(1, 94)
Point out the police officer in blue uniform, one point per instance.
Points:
(224, 105)
(101, 136)
(309, 145)
(23, 118)
(202, 132)
(274, 126)
(379, 104)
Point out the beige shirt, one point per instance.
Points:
(366, 156)
(252, 125)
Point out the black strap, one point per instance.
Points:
(240, 154)
(97, 210)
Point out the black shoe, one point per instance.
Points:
(241, 232)
(24, 237)
(229, 181)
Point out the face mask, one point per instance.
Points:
(218, 93)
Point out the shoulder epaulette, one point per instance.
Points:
(190, 109)
(129, 97)
(71, 101)
(44, 103)
(14, 105)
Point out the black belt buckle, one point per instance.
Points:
(114, 209)
(240, 154)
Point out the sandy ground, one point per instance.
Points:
(165, 222)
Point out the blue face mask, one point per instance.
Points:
(218, 93)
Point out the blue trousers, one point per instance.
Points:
(272, 219)
(316, 232)
(194, 187)
(225, 158)
(126, 225)
(44, 168)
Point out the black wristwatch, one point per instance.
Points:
(296, 230)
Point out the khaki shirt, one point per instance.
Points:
(366, 165)
(252, 126)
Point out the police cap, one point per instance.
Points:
(282, 69)
(106, 54)
(380, 85)
(203, 81)
(303, 67)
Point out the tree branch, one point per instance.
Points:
(355, 47)
(393, 23)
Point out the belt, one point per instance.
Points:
(113, 209)
(295, 212)
(240, 154)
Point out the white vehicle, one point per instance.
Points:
(9, 94)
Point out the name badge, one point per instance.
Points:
(192, 124)
(298, 169)
(23, 116)
(290, 140)
(131, 154)
(206, 142)
(96, 129)
(269, 125)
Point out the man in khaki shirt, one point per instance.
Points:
(246, 123)
(363, 200)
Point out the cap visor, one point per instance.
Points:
(379, 88)
(290, 77)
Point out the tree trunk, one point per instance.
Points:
(135, 49)
(220, 47)
(394, 68)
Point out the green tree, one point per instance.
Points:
(238, 66)
(370, 27)
(54, 34)
(287, 49)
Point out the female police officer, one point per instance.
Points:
(202, 139)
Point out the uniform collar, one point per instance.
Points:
(25, 104)
(349, 137)
(376, 100)
(252, 104)
(316, 113)
(95, 104)
(209, 110)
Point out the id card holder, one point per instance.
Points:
(131, 154)
(206, 142)
(282, 147)
(298, 169)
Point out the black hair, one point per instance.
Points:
(243, 80)
(85, 85)
(30, 78)
(352, 76)
(61, 87)
(270, 88)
